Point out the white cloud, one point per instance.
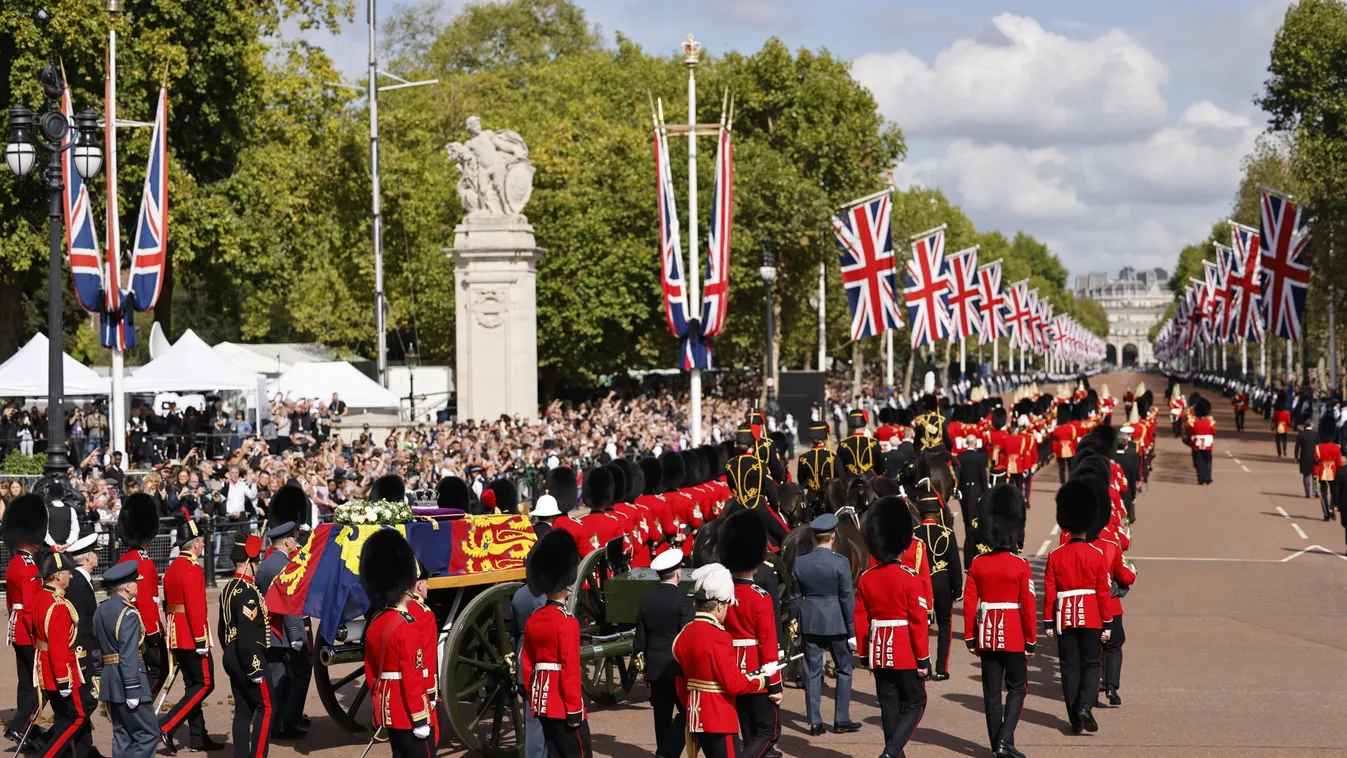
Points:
(1022, 84)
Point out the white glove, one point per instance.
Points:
(65, 693)
(851, 643)
(203, 651)
(297, 644)
(421, 732)
(256, 680)
(131, 703)
(770, 669)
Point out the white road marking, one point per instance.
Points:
(1241, 464)
(1229, 453)
(1042, 549)
(1299, 531)
(1056, 530)
(1246, 468)
(1203, 560)
(1313, 548)
(1283, 512)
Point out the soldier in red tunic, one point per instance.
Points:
(1064, 437)
(550, 656)
(597, 492)
(24, 528)
(751, 622)
(891, 624)
(1240, 402)
(711, 680)
(1203, 439)
(57, 664)
(1328, 460)
(561, 483)
(999, 612)
(137, 526)
(1076, 607)
(1281, 425)
(189, 641)
(396, 660)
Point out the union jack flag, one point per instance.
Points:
(928, 287)
(1284, 236)
(716, 286)
(1044, 324)
(1226, 267)
(991, 303)
(864, 236)
(965, 317)
(86, 266)
(672, 281)
(1017, 314)
(1034, 324)
(1247, 318)
(151, 248)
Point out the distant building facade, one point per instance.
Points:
(1135, 301)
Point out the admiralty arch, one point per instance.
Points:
(1135, 300)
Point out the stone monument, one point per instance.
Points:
(495, 268)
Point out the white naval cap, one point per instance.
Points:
(667, 560)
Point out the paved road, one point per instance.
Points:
(1236, 641)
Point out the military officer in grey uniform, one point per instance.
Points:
(125, 683)
(823, 602)
(286, 635)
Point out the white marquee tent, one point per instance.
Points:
(319, 380)
(25, 374)
(190, 365)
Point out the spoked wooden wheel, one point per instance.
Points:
(339, 677)
(793, 670)
(606, 677)
(477, 676)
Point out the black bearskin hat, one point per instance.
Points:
(620, 483)
(672, 469)
(928, 403)
(692, 468)
(743, 539)
(1202, 407)
(552, 564)
(388, 568)
(888, 529)
(1065, 413)
(999, 418)
(452, 492)
(1079, 412)
(389, 487)
(1328, 428)
(1077, 506)
(289, 503)
(598, 489)
(138, 523)
(506, 494)
(562, 485)
(1107, 434)
(709, 456)
(653, 475)
(1002, 518)
(630, 489)
(637, 480)
(25, 522)
(1143, 404)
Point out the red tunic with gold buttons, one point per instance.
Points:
(147, 597)
(1327, 460)
(1064, 440)
(57, 624)
(585, 538)
(662, 521)
(551, 663)
(711, 678)
(185, 600)
(1204, 433)
(999, 609)
(396, 665)
(1120, 571)
(429, 632)
(1076, 587)
(751, 623)
(891, 618)
(22, 583)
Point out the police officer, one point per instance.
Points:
(286, 637)
(823, 604)
(395, 654)
(24, 527)
(661, 615)
(856, 454)
(243, 630)
(58, 668)
(189, 641)
(137, 526)
(550, 657)
(124, 683)
(80, 593)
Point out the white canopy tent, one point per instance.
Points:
(319, 380)
(25, 374)
(191, 364)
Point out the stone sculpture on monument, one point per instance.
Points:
(495, 267)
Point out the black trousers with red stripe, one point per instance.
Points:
(902, 701)
(69, 721)
(156, 660)
(759, 723)
(1003, 672)
(27, 697)
(566, 741)
(408, 745)
(252, 716)
(716, 745)
(198, 679)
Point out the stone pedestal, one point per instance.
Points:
(496, 317)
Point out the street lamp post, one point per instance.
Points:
(768, 272)
(49, 132)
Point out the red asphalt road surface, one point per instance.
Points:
(1236, 633)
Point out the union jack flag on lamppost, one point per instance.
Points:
(991, 303)
(863, 233)
(964, 296)
(86, 266)
(1246, 292)
(1017, 314)
(1284, 236)
(927, 289)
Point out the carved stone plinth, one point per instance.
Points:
(496, 317)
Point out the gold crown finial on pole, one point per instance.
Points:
(692, 51)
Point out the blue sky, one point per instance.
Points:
(1112, 131)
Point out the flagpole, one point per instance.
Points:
(691, 51)
(996, 354)
(963, 371)
(888, 357)
(116, 408)
(822, 321)
(1244, 359)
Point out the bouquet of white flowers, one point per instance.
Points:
(361, 512)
